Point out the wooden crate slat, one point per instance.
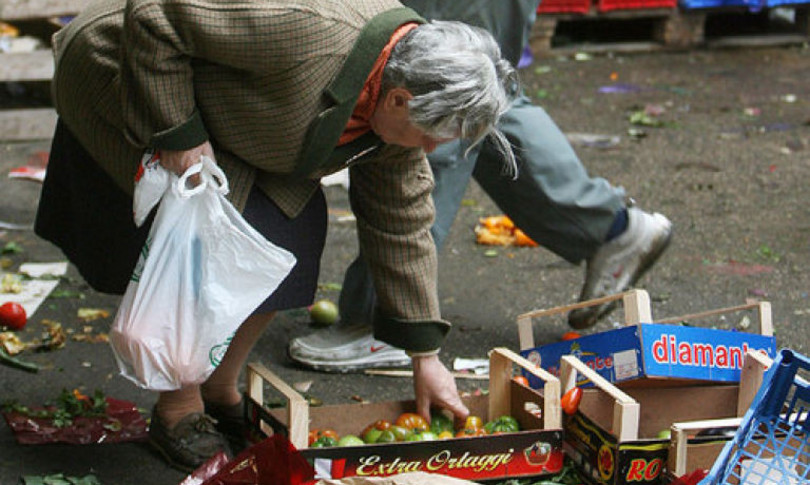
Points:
(29, 9)
(27, 66)
(27, 124)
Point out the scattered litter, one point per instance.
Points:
(744, 323)
(90, 314)
(37, 174)
(477, 366)
(302, 386)
(43, 278)
(620, 88)
(11, 226)
(500, 231)
(582, 56)
(752, 112)
(33, 170)
(60, 479)
(76, 419)
(593, 140)
(789, 98)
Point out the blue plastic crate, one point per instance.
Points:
(698, 4)
(772, 445)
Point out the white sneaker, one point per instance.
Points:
(345, 349)
(619, 264)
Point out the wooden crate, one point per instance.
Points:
(35, 18)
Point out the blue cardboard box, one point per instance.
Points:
(657, 351)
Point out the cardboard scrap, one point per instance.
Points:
(44, 278)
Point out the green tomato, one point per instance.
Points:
(664, 434)
(324, 442)
(423, 436)
(350, 440)
(400, 433)
(387, 436)
(323, 312)
(440, 422)
(372, 435)
(504, 424)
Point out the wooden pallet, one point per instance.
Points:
(673, 29)
(33, 18)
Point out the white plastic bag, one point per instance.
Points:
(202, 272)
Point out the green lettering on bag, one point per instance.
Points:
(217, 352)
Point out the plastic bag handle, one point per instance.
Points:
(214, 175)
(211, 175)
(181, 186)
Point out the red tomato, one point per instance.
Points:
(12, 315)
(470, 432)
(570, 335)
(570, 400)
(412, 421)
(521, 380)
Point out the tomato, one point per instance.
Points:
(12, 315)
(570, 335)
(470, 432)
(521, 380)
(324, 442)
(317, 434)
(323, 312)
(504, 424)
(473, 422)
(440, 422)
(412, 421)
(570, 400)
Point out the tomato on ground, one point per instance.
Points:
(12, 315)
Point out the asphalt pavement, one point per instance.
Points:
(715, 139)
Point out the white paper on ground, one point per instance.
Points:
(35, 290)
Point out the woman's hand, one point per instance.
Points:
(434, 385)
(178, 162)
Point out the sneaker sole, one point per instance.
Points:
(602, 311)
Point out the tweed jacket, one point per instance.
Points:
(271, 83)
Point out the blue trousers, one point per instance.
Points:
(553, 199)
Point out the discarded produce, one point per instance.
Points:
(323, 312)
(12, 315)
(500, 231)
(16, 363)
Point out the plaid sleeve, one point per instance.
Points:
(392, 202)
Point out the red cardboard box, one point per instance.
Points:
(534, 451)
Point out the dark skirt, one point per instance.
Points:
(89, 218)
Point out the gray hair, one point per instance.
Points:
(460, 83)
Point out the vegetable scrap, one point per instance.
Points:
(76, 418)
(501, 231)
(60, 479)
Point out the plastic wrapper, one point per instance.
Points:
(273, 461)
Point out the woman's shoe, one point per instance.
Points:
(190, 443)
(230, 421)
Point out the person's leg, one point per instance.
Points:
(578, 217)
(553, 199)
(350, 345)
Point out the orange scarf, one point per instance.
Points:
(358, 124)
